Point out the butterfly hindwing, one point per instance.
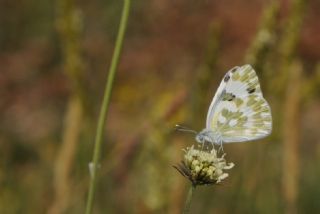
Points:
(238, 111)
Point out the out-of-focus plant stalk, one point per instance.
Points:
(69, 28)
(289, 42)
(288, 85)
(189, 199)
(65, 157)
(264, 38)
(105, 103)
(291, 135)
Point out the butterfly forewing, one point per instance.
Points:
(238, 111)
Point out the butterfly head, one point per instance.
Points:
(200, 137)
(207, 135)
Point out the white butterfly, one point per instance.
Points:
(238, 111)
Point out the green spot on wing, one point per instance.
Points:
(238, 102)
(224, 112)
(251, 101)
(235, 76)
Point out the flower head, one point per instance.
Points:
(203, 167)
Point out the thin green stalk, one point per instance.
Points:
(188, 200)
(105, 103)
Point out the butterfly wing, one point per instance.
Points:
(238, 111)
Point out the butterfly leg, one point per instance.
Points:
(220, 147)
(202, 145)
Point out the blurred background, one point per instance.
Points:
(54, 59)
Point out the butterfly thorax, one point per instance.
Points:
(208, 135)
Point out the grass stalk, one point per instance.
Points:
(105, 103)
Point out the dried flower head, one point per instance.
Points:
(203, 167)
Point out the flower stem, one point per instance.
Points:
(189, 198)
(105, 103)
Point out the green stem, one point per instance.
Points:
(188, 200)
(105, 103)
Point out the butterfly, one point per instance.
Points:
(238, 111)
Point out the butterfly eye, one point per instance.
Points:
(199, 138)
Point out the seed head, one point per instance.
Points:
(203, 167)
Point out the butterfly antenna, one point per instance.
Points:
(185, 129)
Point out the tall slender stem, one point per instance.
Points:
(105, 103)
(189, 198)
